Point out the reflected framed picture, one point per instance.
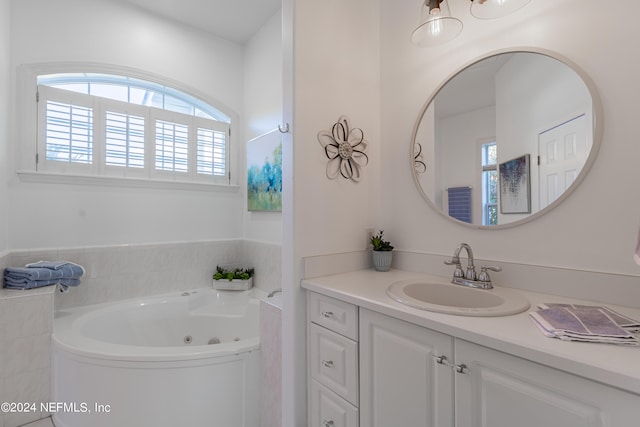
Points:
(264, 172)
(515, 185)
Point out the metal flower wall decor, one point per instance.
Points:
(344, 147)
(418, 160)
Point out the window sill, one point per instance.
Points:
(114, 181)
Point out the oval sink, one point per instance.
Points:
(456, 299)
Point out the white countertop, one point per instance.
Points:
(615, 365)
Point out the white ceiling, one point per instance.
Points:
(235, 20)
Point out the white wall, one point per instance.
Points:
(332, 62)
(263, 112)
(100, 31)
(5, 48)
(459, 144)
(596, 227)
(559, 95)
(263, 79)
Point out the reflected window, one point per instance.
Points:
(489, 184)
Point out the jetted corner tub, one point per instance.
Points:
(186, 359)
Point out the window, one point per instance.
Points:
(489, 184)
(109, 125)
(69, 132)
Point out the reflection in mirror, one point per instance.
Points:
(504, 139)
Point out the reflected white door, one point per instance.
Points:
(563, 151)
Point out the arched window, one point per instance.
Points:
(113, 125)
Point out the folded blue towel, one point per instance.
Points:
(43, 273)
(30, 284)
(54, 265)
(66, 271)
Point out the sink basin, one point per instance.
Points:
(456, 299)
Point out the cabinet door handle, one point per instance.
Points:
(462, 368)
(441, 360)
(327, 313)
(327, 363)
(326, 423)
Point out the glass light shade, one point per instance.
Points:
(436, 27)
(491, 9)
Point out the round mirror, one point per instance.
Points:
(506, 139)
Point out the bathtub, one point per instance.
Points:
(186, 359)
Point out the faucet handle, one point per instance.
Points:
(456, 261)
(484, 275)
(453, 261)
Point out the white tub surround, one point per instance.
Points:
(26, 319)
(189, 357)
(271, 361)
(120, 272)
(114, 273)
(613, 365)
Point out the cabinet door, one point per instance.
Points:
(499, 390)
(401, 383)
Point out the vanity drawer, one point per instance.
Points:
(334, 362)
(339, 316)
(330, 410)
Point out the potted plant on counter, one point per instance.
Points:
(382, 252)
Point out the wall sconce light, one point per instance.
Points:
(437, 26)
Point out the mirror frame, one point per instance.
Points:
(597, 135)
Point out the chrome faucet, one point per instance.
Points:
(470, 277)
(471, 269)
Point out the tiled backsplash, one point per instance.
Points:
(116, 273)
(112, 273)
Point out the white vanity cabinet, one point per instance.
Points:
(412, 376)
(499, 390)
(332, 330)
(402, 382)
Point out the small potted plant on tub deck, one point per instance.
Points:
(233, 279)
(382, 252)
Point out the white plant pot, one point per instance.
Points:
(232, 285)
(382, 260)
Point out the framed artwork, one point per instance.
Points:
(515, 186)
(264, 172)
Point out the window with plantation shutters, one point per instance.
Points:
(69, 132)
(172, 146)
(211, 151)
(118, 126)
(124, 140)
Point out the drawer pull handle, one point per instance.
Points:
(461, 368)
(326, 423)
(327, 363)
(327, 313)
